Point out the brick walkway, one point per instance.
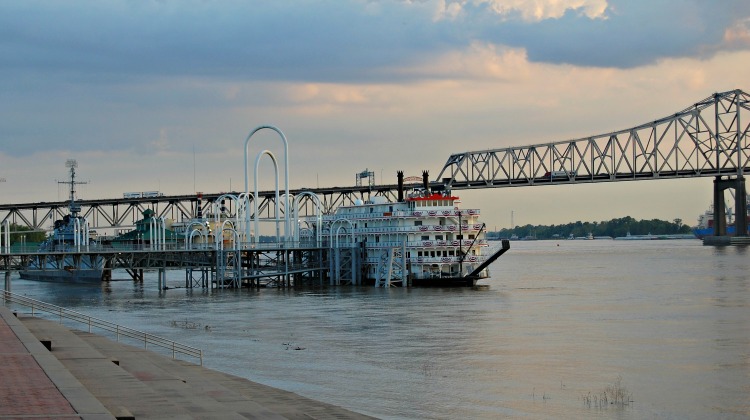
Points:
(26, 389)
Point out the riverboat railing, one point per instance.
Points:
(118, 330)
(417, 213)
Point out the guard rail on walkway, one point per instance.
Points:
(118, 330)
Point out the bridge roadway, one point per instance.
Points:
(710, 138)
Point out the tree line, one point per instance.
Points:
(612, 228)
(19, 234)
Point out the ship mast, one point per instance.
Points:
(72, 164)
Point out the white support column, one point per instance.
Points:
(276, 206)
(86, 233)
(163, 233)
(5, 239)
(77, 234)
(151, 233)
(404, 269)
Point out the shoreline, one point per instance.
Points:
(103, 379)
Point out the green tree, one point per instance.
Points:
(19, 234)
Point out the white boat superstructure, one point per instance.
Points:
(432, 240)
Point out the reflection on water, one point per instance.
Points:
(558, 321)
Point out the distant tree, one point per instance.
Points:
(25, 234)
(614, 228)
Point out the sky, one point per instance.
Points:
(161, 95)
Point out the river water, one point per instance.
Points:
(665, 323)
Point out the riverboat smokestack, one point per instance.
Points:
(400, 175)
(426, 181)
(199, 206)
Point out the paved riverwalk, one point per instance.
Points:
(92, 377)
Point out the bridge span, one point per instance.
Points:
(707, 139)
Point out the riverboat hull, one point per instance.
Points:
(80, 276)
(445, 282)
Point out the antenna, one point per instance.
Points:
(72, 164)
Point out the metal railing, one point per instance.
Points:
(118, 330)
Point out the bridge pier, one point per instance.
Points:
(740, 205)
(7, 281)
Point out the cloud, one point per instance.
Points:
(118, 41)
(528, 10)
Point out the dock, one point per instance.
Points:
(49, 371)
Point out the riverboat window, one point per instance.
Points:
(419, 253)
(432, 254)
(471, 236)
(370, 209)
(438, 237)
(425, 237)
(377, 239)
(417, 223)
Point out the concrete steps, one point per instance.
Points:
(133, 382)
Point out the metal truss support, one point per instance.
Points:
(228, 269)
(343, 272)
(196, 277)
(709, 138)
(392, 269)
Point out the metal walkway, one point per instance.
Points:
(271, 266)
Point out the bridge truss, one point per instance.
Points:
(709, 138)
(124, 212)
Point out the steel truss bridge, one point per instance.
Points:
(707, 139)
(124, 212)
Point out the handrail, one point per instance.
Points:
(92, 322)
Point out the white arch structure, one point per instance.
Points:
(241, 202)
(157, 232)
(335, 250)
(276, 189)
(243, 215)
(189, 237)
(318, 217)
(286, 179)
(224, 228)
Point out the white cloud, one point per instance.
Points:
(528, 10)
(537, 10)
(480, 60)
(738, 35)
